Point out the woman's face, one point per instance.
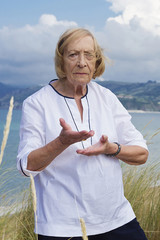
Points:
(79, 60)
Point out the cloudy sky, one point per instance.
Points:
(128, 30)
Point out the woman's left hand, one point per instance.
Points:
(102, 147)
(133, 155)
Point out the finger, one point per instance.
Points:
(85, 135)
(63, 124)
(91, 133)
(62, 121)
(81, 151)
(104, 139)
(87, 151)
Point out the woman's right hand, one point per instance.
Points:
(68, 136)
(40, 158)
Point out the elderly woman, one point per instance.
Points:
(73, 135)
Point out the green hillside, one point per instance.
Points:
(134, 96)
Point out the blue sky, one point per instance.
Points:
(20, 12)
(129, 32)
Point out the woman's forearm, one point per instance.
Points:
(42, 157)
(133, 155)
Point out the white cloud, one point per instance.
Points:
(51, 20)
(145, 12)
(132, 39)
(32, 40)
(29, 51)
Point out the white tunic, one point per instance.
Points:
(74, 186)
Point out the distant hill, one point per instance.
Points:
(6, 91)
(134, 96)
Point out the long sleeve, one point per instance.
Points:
(32, 133)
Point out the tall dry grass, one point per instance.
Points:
(17, 221)
(83, 229)
(34, 199)
(142, 189)
(6, 129)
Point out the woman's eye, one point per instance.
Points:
(89, 56)
(72, 55)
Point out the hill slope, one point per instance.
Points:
(134, 96)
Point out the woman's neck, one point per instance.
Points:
(65, 88)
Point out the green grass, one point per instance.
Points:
(18, 221)
(141, 189)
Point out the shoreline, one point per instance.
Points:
(129, 110)
(142, 111)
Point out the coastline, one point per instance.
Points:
(142, 111)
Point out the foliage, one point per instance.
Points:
(142, 189)
(17, 223)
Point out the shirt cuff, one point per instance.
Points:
(23, 168)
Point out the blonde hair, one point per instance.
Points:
(69, 36)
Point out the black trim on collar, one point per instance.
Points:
(63, 95)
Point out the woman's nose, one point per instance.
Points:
(81, 60)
